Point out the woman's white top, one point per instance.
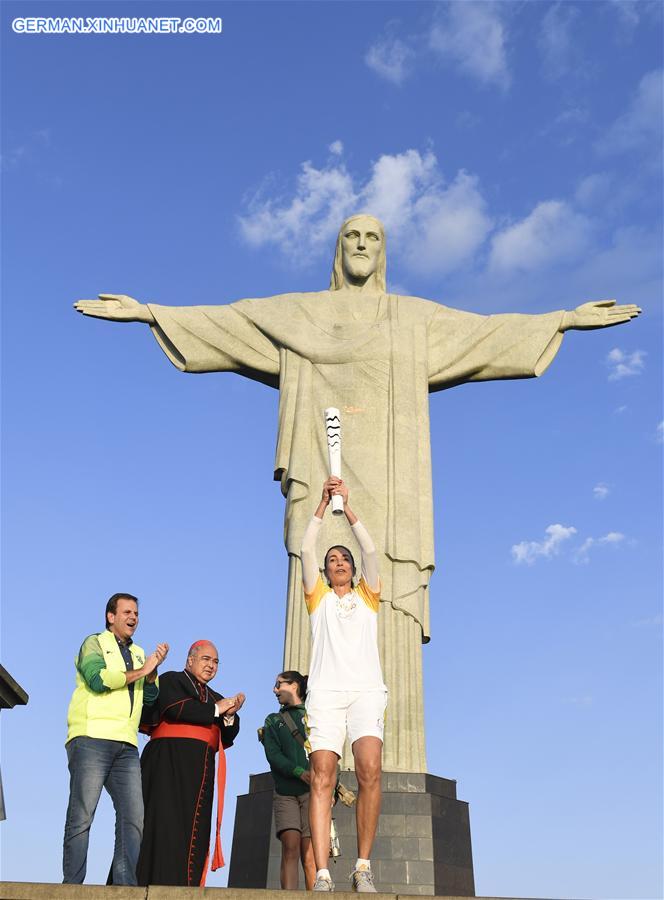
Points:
(344, 630)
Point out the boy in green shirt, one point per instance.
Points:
(285, 742)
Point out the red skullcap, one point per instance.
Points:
(198, 644)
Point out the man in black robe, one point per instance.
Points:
(190, 724)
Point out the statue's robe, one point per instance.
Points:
(376, 357)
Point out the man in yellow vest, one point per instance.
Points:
(113, 682)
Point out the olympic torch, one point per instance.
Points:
(333, 429)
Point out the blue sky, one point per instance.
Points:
(514, 152)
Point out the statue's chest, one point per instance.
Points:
(354, 379)
(343, 344)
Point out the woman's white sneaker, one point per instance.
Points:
(362, 881)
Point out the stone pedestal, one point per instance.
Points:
(422, 845)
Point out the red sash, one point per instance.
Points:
(210, 735)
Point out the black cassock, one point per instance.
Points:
(178, 783)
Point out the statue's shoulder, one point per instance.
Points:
(295, 299)
(306, 297)
(427, 309)
(419, 305)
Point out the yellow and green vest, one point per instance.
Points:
(107, 713)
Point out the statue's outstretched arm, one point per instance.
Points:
(116, 307)
(221, 338)
(598, 314)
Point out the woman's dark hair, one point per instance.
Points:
(345, 550)
(293, 677)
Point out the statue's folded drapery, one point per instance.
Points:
(375, 358)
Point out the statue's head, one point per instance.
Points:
(360, 253)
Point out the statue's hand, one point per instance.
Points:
(117, 307)
(599, 314)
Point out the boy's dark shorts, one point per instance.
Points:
(291, 813)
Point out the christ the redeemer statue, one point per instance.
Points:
(376, 356)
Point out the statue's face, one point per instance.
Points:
(361, 244)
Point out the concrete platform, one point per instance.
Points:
(25, 890)
(422, 845)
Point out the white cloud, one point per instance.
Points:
(567, 125)
(474, 36)
(437, 226)
(660, 432)
(649, 622)
(33, 143)
(628, 266)
(390, 58)
(434, 226)
(323, 198)
(619, 410)
(397, 182)
(583, 700)
(466, 120)
(608, 194)
(593, 188)
(573, 115)
(613, 538)
(624, 365)
(601, 491)
(336, 148)
(627, 12)
(529, 552)
(553, 232)
(555, 40)
(631, 13)
(398, 287)
(640, 127)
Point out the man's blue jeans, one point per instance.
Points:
(93, 764)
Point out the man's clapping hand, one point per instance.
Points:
(162, 652)
(154, 659)
(230, 705)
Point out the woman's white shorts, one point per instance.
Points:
(331, 715)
